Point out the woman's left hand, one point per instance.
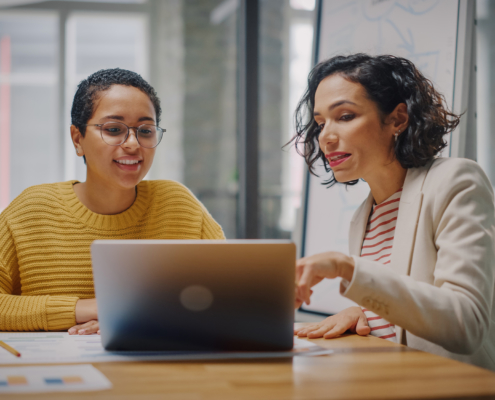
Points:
(351, 319)
(311, 270)
(88, 328)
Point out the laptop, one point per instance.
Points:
(235, 295)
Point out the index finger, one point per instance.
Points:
(305, 284)
(300, 268)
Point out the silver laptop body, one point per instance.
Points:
(195, 294)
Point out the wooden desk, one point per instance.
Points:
(360, 368)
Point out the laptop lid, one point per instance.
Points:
(195, 294)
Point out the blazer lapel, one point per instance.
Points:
(405, 228)
(407, 220)
(358, 226)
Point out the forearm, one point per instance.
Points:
(346, 267)
(36, 313)
(86, 310)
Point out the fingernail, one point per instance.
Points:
(82, 331)
(71, 331)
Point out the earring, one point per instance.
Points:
(397, 134)
(77, 151)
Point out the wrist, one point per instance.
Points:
(346, 269)
(86, 310)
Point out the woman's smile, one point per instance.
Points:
(129, 163)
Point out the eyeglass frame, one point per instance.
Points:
(128, 133)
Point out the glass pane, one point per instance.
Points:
(485, 101)
(29, 127)
(196, 80)
(115, 1)
(286, 36)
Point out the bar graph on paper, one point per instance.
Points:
(37, 379)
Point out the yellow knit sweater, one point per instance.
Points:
(45, 238)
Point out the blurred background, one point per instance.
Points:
(188, 51)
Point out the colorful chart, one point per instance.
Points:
(68, 378)
(22, 380)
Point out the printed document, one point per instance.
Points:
(60, 347)
(67, 378)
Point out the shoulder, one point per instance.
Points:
(458, 183)
(169, 189)
(453, 165)
(171, 193)
(36, 198)
(450, 174)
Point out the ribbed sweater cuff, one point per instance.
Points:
(61, 312)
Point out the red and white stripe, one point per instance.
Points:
(377, 246)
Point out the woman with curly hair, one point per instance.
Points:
(46, 281)
(422, 254)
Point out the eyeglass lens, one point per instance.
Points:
(114, 134)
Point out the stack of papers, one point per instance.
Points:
(60, 347)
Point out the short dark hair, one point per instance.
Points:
(89, 89)
(388, 81)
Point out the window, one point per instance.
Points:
(30, 145)
(485, 89)
(285, 61)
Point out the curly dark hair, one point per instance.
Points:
(388, 81)
(89, 89)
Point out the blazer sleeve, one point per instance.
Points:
(453, 312)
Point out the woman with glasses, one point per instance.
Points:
(45, 233)
(422, 251)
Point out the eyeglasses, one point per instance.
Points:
(116, 133)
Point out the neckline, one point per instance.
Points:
(122, 220)
(385, 202)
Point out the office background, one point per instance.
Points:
(190, 52)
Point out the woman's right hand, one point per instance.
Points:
(351, 319)
(298, 301)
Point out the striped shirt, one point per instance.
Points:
(377, 246)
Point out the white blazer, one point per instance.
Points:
(439, 287)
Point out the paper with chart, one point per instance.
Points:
(60, 347)
(424, 32)
(39, 379)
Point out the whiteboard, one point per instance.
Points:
(425, 32)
